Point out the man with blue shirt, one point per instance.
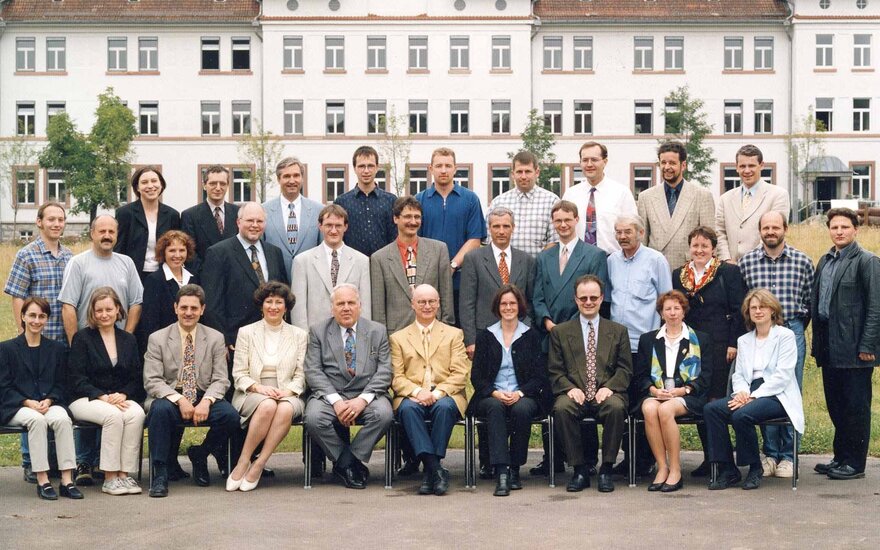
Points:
(370, 223)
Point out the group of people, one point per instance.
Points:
(246, 318)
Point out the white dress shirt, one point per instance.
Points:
(612, 199)
(507, 256)
(261, 255)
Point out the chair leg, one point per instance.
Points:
(307, 458)
(551, 453)
(794, 477)
(141, 460)
(468, 434)
(631, 463)
(389, 458)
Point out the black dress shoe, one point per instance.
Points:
(29, 474)
(667, 488)
(824, 468)
(199, 461)
(223, 463)
(845, 471)
(47, 492)
(159, 483)
(655, 487)
(502, 483)
(753, 479)
(176, 473)
(591, 471)
(441, 481)
(541, 469)
(515, 483)
(362, 470)
(621, 470)
(606, 484)
(70, 491)
(267, 472)
(486, 471)
(350, 477)
(726, 479)
(703, 470)
(579, 482)
(427, 486)
(409, 468)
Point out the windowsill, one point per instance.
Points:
(650, 71)
(293, 71)
(148, 136)
(41, 73)
(27, 206)
(824, 70)
(756, 71)
(132, 73)
(418, 71)
(863, 69)
(459, 71)
(573, 71)
(501, 71)
(376, 71)
(334, 71)
(234, 72)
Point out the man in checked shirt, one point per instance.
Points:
(788, 274)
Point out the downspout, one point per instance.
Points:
(536, 25)
(259, 34)
(792, 167)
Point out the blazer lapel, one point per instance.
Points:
(346, 264)
(415, 341)
(137, 208)
(242, 257)
(230, 227)
(841, 269)
(685, 200)
(491, 266)
(518, 273)
(334, 335)
(660, 350)
(603, 353)
(578, 350)
(397, 269)
(210, 224)
(21, 349)
(320, 264)
(362, 349)
(201, 350)
(172, 345)
(258, 343)
(572, 267)
(756, 201)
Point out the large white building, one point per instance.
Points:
(322, 74)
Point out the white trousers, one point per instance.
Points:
(37, 426)
(122, 431)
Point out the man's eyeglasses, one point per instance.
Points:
(585, 299)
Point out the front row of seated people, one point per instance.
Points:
(339, 375)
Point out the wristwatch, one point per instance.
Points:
(454, 265)
(687, 390)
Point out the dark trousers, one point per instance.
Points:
(744, 421)
(433, 440)
(508, 446)
(164, 418)
(611, 413)
(848, 397)
(644, 457)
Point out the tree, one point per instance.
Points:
(538, 140)
(688, 123)
(16, 153)
(805, 143)
(262, 149)
(394, 148)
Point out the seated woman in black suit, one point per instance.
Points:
(32, 369)
(106, 382)
(673, 370)
(509, 376)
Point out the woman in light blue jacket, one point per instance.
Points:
(764, 387)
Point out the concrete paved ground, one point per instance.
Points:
(281, 514)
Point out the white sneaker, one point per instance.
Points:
(785, 468)
(132, 486)
(115, 487)
(769, 465)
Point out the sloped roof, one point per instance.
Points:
(167, 11)
(659, 10)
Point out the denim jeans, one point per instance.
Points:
(778, 439)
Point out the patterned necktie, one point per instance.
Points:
(590, 390)
(411, 266)
(255, 263)
(188, 375)
(503, 272)
(563, 258)
(747, 201)
(218, 219)
(292, 225)
(673, 200)
(428, 381)
(334, 269)
(590, 230)
(350, 352)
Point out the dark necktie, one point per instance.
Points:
(592, 222)
(255, 263)
(218, 219)
(590, 378)
(503, 271)
(673, 200)
(350, 351)
(334, 269)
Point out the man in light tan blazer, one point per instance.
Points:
(431, 370)
(675, 208)
(739, 210)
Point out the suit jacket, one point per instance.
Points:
(780, 356)
(450, 367)
(91, 374)
(157, 310)
(669, 234)
(326, 371)
(198, 222)
(276, 231)
(19, 382)
(716, 308)
(853, 325)
(392, 295)
(649, 345)
(738, 231)
(229, 281)
(529, 364)
(133, 230)
(250, 349)
(164, 359)
(312, 286)
(480, 282)
(567, 360)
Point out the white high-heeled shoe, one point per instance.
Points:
(233, 485)
(246, 485)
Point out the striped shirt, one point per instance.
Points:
(789, 277)
(533, 228)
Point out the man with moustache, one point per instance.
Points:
(371, 225)
(213, 219)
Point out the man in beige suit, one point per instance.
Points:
(431, 370)
(740, 209)
(672, 210)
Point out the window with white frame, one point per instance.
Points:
(53, 108)
(242, 185)
(418, 180)
(583, 117)
(763, 116)
(25, 118)
(117, 54)
(26, 186)
(733, 117)
(148, 53)
(376, 53)
(56, 190)
(25, 54)
(643, 178)
(459, 52)
(210, 118)
(673, 53)
(644, 117)
(861, 4)
(861, 114)
(335, 119)
(56, 54)
(149, 118)
(862, 50)
(334, 52)
(552, 53)
(644, 53)
(763, 53)
(500, 116)
(824, 114)
(553, 117)
(376, 116)
(861, 181)
(462, 177)
(418, 52)
(500, 180)
(730, 178)
(500, 52)
(733, 53)
(583, 53)
(381, 179)
(293, 117)
(824, 50)
(241, 53)
(418, 116)
(671, 117)
(210, 53)
(458, 117)
(824, 4)
(334, 182)
(241, 118)
(293, 53)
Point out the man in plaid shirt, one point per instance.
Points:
(37, 270)
(788, 274)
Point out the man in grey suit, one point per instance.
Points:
(672, 210)
(348, 368)
(292, 218)
(321, 269)
(185, 380)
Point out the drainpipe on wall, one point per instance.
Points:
(258, 32)
(792, 167)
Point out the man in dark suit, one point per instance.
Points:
(348, 369)
(212, 220)
(590, 366)
(846, 341)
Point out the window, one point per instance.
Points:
(552, 53)
(293, 117)
(861, 4)
(862, 50)
(673, 53)
(583, 117)
(458, 52)
(462, 177)
(334, 53)
(381, 179)
(25, 121)
(500, 52)
(376, 53)
(671, 117)
(458, 117)
(418, 52)
(763, 53)
(730, 179)
(824, 50)
(861, 114)
(53, 108)
(553, 117)
(376, 117)
(210, 118)
(418, 117)
(824, 114)
(583, 53)
(500, 180)
(241, 54)
(117, 54)
(25, 53)
(149, 118)
(210, 54)
(733, 117)
(242, 185)
(241, 118)
(335, 117)
(55, 187)
(500, 117)
(763, 116)
(56, 54)
(644, 117)
(644, 53)
(334, 182)
(418, 180)
(26, 186)
(824, 4)
(148, 54)
(642, 178)
(861, 181)
(293, 53)
(733, 53)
